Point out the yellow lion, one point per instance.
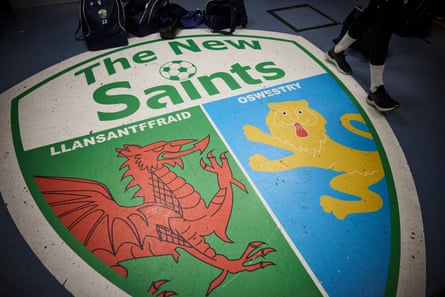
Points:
(296, 127)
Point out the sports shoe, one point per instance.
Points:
(338, 59)
(381, 100)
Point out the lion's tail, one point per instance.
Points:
(346, 120)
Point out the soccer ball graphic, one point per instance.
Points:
(178, 70)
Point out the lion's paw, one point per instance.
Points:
(257, 162)
(336, 206)
(252, 133)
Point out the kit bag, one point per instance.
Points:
(415, 18)
(143, 17)
(175, 17)
(223, 16)
(102, 24)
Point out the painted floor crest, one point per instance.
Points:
(242, 162)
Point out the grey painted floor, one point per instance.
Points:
(34, 39)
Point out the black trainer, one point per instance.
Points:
(338, 59)
(381, 100)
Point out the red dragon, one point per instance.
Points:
(173, 215)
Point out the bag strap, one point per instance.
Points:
(77, 36)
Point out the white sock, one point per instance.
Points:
(376, 76)
(344, 43)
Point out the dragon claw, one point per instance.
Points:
(266, 251)
(265, 264)
(203, 164)
(250, 255)
(255, 244)
(223, 156)
(239, 265)
(155, 286)
(166, 294)
(210, 155)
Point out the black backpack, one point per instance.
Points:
(102, 23)
(223, 15)
(143, 16)
(415, 18)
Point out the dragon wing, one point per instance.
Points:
(88, 210)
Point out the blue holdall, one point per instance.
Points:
(192, 19)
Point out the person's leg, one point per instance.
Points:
(345, 42)
(378, 51)
(376, 76)
(386, 17)
(377, 96)
(360, 24)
